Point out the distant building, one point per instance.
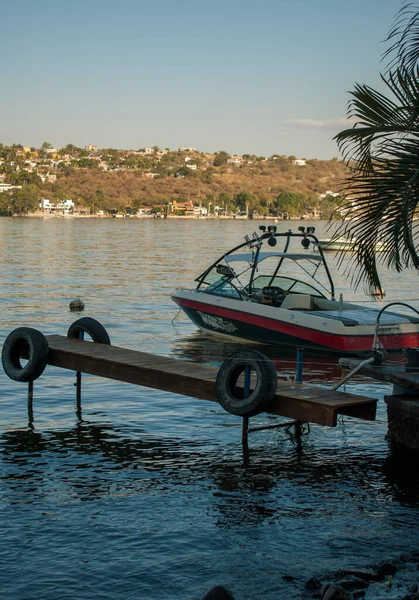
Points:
(329, 193)
(235, 160)
(183, 208)
(50, 177)
(200, 211)
(300, 162)
(7, 187)
(67, 206)
(27, 152)
(90, 148)
(46, 205)
(192, 167)
(64, 206)
(185, 149)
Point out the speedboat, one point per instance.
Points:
(258, 293)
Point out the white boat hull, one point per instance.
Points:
(349, 331)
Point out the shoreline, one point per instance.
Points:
(396, 578)
(170, 217)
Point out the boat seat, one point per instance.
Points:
(364, 316)
(298, 302)
(336, 315)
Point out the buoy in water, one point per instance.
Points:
(77, 305)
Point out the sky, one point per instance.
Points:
(256, 77)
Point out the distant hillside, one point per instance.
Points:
(113, 180)
(264, 181)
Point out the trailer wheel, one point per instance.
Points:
(262, 388)
(90, 326)
(28, 344)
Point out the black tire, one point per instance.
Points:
(231, 396)
(90, 326)
(29, 344)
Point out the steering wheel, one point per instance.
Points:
(272, 294)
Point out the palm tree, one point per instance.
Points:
(381, 193)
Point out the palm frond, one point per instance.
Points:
(404, 38)
(381, 194)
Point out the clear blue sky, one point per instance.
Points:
(243, 76)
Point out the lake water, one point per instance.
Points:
(147, 495)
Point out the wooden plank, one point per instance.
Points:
(294, 400)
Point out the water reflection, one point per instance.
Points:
(149, 495)
(100, 450)
(206, 348)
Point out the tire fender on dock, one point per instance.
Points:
(262, 388)
(90, 326)
(29, 344)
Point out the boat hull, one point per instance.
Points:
(263, 324)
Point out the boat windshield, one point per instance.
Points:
(244, 271)
(288, 284)
(224, 287)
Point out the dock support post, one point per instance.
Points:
(78, 385)
(30, 392)
(245, 420)
(78, 394)
(245, 440)
(299, 379)
(30, 403)
(245, 430)
(300, 362)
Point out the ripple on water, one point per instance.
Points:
(146, 494)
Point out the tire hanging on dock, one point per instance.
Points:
(261, 391)
(28, 344)
(90, 326)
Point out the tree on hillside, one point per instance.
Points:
(225, 202)
(23, 177)
(220, 158)
(243, 201)
(289, 202)
(72, 150)
(185, 172)
(382, 191)
(25, 200)
(5, 205)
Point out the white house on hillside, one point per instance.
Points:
(329, 193)
(7, 187)
(65, 207)
(235, 160)
(185, 149)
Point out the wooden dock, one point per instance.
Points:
(298, 401)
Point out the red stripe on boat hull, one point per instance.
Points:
(347, 343)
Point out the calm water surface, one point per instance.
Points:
(146, 494)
